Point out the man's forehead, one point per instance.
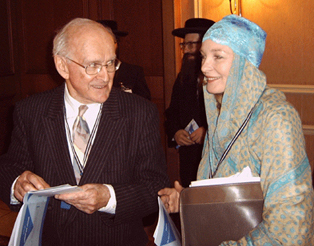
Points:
(89, 32)
(192, 37)
(91, 39)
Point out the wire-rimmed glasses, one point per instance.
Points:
(94, 68)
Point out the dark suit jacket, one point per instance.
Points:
(132, 77)
(187, 103)
(126, 153)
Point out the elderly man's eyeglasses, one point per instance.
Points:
(95, 68)
(189, 45)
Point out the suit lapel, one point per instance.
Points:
(110, 126)
(56, 138)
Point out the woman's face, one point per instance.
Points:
(216, 63)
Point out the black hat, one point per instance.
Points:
(114, 27)
(193, 25)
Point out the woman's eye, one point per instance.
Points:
(218, 57)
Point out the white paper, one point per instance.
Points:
(240, 177)
(28, 225)
(191, 127)
(166, 233)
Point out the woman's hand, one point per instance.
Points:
(171, 197)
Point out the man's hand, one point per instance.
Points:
(89, 200)
(28, 181)
(198, 135)
(171, 197)
(182, 138)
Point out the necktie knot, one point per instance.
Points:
(82, 110)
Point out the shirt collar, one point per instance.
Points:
(72, 105)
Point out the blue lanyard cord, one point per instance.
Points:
(235, 137)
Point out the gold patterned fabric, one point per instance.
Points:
(272, 145)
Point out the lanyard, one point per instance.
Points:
(89, 143)
(235, 137)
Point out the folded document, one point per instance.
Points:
(29, 223)
(166, 233)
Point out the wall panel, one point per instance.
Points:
(26, 63)
(6, 42)
(143, 45)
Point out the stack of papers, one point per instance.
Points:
(240, 177)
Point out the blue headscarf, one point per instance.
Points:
(244, 37)
(244, 87)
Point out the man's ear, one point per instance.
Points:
(61, 66)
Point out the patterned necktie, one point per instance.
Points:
(81, 132)
(80, 136)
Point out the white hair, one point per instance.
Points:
(61, 40)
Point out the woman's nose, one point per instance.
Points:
(206, 65)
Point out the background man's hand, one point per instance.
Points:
(28, 181)
(90, 199)
(198, 135)
(182, 138)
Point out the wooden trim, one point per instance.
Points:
(198, 8)
(297, 89)
(308, 129)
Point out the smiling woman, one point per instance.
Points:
(271, 144)
(216, 63)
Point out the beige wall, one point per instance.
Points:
(289, 54)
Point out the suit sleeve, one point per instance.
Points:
(16, 160)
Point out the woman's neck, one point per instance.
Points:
(219, 100)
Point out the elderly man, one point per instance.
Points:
(85, 132)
